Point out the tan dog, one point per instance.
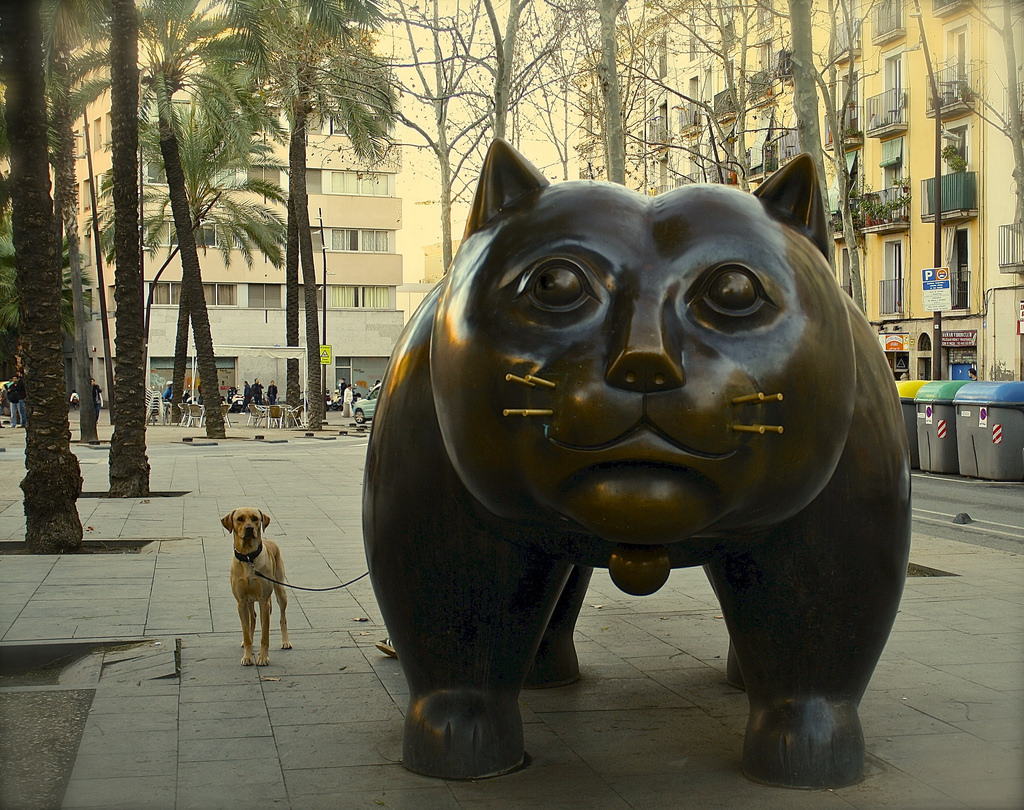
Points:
(252, 554)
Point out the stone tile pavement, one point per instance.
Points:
(146, 647)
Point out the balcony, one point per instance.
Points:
(1011, 248)
(890, 296)
(723, 105)
(852, 134)
(960, 287)
(885, 211)
(959, 197)
(689, 116)
(887, 113)
(945, 8)
(888, 23)
(847, 42)
(957, 92)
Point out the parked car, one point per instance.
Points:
(363, 409)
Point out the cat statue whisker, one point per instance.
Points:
(482, 532)
(527, 412)
(758, 397)
(755, 428)
(529, 380)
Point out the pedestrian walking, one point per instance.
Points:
(16, 396)
(97, 398)
(257, 391)
(272, 393)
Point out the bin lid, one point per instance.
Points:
(940, 390)
(992, 393)
(907, 389)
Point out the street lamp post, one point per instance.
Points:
(936, 192)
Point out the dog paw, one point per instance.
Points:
(286, 645)
(262, 660)
(246, 660)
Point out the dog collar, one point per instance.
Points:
(251, 555)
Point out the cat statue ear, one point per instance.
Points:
(505, 177)
(792, 195)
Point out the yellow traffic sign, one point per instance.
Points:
(325, 355)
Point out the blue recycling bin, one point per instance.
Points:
(990, 430)
(936, 426)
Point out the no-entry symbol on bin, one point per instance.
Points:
(927, 414)
(983, 416)
(997, 434)
(941, 429)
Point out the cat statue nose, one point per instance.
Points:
(645, 371)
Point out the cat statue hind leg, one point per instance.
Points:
(610, 380)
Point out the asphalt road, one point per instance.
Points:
(996, 510)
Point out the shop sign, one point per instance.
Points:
(895, 342)
(960, 337)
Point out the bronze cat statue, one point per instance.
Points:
(638, 383)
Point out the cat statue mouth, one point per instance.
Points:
(645, 437)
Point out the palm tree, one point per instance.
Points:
(192, 51)
(67, 25)
(226, 196)
(321, 68)
(53, 480)
(10, 305)
(129, 466)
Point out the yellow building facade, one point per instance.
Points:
(716, 105)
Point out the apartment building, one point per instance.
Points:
(715, 104)
(355, 213)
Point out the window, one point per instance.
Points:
(166, 293)
(97, 134)
(265, 296)
(367, 241)
(344, 239)
(377, 297)
(155, 173)
(342, 297)
(372, 184)
(347, 297)
(219, 295)
(86, 195)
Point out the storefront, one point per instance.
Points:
(961, 347)
(896, 346)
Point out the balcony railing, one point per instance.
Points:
(960, 287)
(888, 22)
(1011, 248)
(887, 113)
(847, 41)
(788, 145)
(957, 92)
(940, 8)
(890, 296)
(959, 196)
(885, 211)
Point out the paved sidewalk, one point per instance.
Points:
(166, 718)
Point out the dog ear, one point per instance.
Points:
(265, 519)
(228, 520)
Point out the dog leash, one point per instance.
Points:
(300, 588)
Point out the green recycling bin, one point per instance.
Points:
(936, 426)
(990, 430)
(907, 390)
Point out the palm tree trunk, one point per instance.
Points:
(66, 191)
(129, 466)
(180, 355)
(53, 480)
(300, 204)
(291, 275)
(191, 274)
